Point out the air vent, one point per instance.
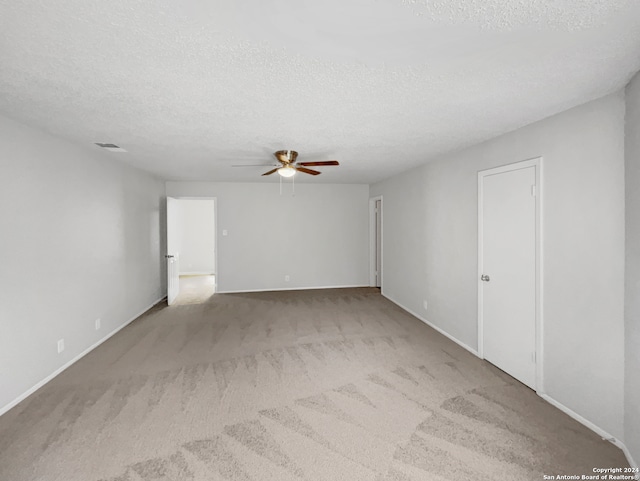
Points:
(110, 147)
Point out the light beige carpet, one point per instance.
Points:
(308, 385)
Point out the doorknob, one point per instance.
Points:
(484, 278)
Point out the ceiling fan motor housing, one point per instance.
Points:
(287, 156)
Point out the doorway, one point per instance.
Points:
(191, 249)
(509, 264)
(375, 242)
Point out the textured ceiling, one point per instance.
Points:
(190, 88)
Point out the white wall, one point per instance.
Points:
(632, 271)
(197, 236)
(80, 240)
(430, 248)
(319, 237)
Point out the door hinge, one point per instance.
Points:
(533, 190)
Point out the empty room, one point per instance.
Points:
(372, 240)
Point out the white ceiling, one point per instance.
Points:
(192, 87)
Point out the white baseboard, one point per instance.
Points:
(630, 460)
(596, 429)
(444, 333)
(289, 289)
(197, 273)
(29, 392)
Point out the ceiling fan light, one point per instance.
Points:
(287, 171)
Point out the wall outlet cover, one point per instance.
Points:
(60, 346)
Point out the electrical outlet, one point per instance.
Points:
(424, 304)
(286, 278)
(97, 324)
(60, 346)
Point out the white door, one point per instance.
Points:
(507, 252)
(378, 243)
(172, 256)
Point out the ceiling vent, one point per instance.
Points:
(111, 147)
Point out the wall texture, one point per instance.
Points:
(197, 236)
(430, 248)
(80, 240)
(318, 237)
(632, 271)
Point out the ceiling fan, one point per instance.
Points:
(288, 165)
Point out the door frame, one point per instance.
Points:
(171, 206)
(536, 162)
(372, 241)
(215, 226)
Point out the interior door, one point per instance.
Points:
(172, 256)
(508, 272)
(378, 243)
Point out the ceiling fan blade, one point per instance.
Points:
(308, 171)
(271, 171)
(323, 162)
